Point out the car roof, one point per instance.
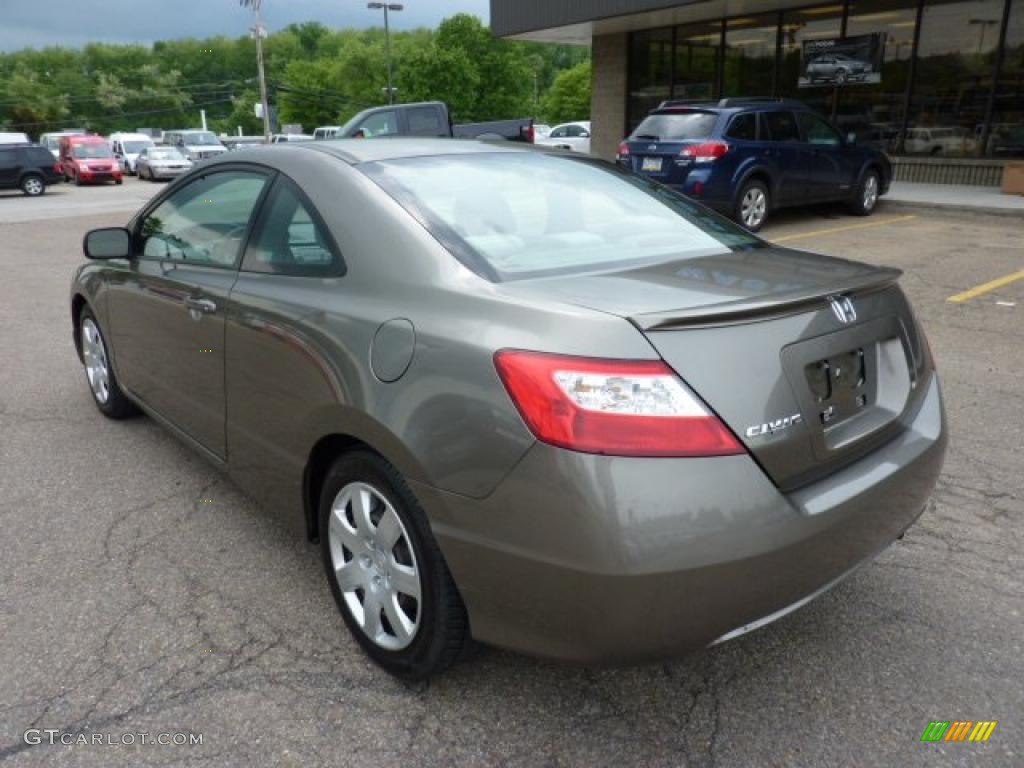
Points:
(729, 106)
(355, 151)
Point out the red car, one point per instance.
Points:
(88, 159)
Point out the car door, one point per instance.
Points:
(780, 129)
(823, 159)
(9, 166)
(278, 371)
(166, 311)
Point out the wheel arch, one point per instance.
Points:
(755, 173)
(78, 303)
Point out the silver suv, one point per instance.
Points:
(196, 144)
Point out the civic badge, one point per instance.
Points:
(843, 309)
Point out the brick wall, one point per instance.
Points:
(608, 99)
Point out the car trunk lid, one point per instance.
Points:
(811, 361)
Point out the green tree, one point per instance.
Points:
(569, 96)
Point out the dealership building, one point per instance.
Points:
(937, 83)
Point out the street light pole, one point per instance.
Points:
(259, 32)
(387, 39)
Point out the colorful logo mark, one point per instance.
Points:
(958, 730)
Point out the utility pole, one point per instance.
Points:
(259, 32)
(387, 39)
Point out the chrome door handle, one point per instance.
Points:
(201, 305)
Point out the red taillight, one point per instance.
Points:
(530, 133)
(613, 407)
(623, 150)
(705, 152)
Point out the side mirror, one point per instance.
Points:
(851, 137)
(107, 243)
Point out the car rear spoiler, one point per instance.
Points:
(763, 307)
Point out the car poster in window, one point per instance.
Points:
(842, 61)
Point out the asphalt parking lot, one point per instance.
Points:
(141, 591)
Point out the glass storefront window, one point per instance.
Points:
(1006, 135)
(875, 112)
(651, 72)
(750, 55)
(820, 22)
(696, 69)
(955, 65)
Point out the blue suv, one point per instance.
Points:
(748, 157)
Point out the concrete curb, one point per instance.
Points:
(916, 205)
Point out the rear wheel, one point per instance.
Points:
(78, 179)
(752, 205)
(841, 76)
(385, 570)
(33, 185)
(106, 393)
(866, 196)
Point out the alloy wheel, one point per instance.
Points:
(96, 367)
(870, 196)
(33, 186)
(375, 566)
(753, 207)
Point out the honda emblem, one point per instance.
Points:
(843, 309)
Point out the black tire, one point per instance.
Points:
(841, 77)
(117, 405)
(33, 185)
(118, 182)
(752, 187)
(864, 204)
(78, 179)
(442, 634)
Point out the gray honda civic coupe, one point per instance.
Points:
(518, 396)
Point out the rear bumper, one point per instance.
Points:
(606, 559)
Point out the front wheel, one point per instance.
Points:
(385, 570)
(841, 76)
(752, 205)
(866, 196)
(106, 393)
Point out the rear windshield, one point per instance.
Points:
(199, 139)
(136, 146)
(91, 150)
(676, 126)
(517, 214)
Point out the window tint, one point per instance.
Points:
(424, 121)
(781, 126)
(203, 222)
(8, 158)
(817, 131)
(558, 133)
(290, 240)
(517, 215)
(743, 127)
(380, 124)
(676, 126)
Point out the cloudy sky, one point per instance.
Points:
(76, 22)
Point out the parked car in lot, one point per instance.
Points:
(572, 136)
(326, 132)
(284, 138)
(509, 390)
(8, 137)
(748, 157)
(28, 167)
(541, 129)
(952, 141)
(427, 118)
(156, 163)
(126, 148)
(87, 159)
(196, 145)
(52, 140)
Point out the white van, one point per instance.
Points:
(326, 132)
(52, 140)
(14, 138)
(126, 148)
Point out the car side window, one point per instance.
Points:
(203, 222)
(380, 124)
(743, 127)
(424, 121)
(781, 126)
(817, 131)
(291, 238)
